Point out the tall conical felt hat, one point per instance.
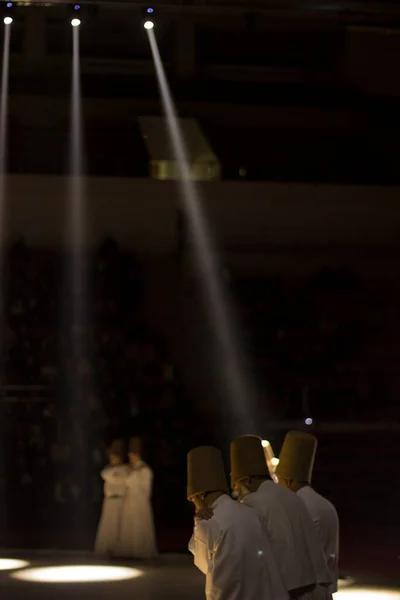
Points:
(205, 471)
(117, 448)
(135, 446)
(247, 458)
(296, 460)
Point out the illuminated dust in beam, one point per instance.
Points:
(76, 372)
(4, 104)
(76, 196)
(240, 393)
(3, 137)
(3, 169)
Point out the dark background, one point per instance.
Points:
(295, 93)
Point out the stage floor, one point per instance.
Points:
(171, 577)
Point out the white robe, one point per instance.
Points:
(108, 531)
(293, 538)
(232, 550)
(137, 539)
(326, 520)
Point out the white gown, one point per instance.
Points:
(108, 531)
(232, 550)
(137, 539)
(326, 520)
(293, 538)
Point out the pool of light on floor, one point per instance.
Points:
(350, 590)
(364, 593)
(8, 564)
(77, 574)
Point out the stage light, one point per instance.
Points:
(274, 461)
(265, 443)
(8, 10)
(77, 574)
(8, 564)
(308, 421)
(148, 17)
(75, 13)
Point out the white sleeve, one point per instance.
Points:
(146, 481)
(202, 544)
(113, 474)
(317, 522)
(251, 501)
(142, 481)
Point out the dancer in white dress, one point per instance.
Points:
(295, 472)
(288, 525)
(231, 547)
(114, 476)
(137, 539)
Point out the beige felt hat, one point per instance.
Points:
(135, 446)
(247, 458)
(296, 460)
(205, 471)
(117, 448)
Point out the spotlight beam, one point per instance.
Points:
(4, 96)
(239, 397)
(3, 168)
(75, 354)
